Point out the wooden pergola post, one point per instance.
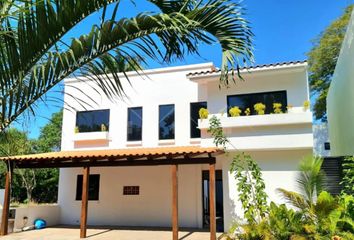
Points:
(212, 219)
(174, 171)
(7, 196)
(84, 202)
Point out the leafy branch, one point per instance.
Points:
(250, 183)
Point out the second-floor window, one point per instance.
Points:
(92, 121)
(244, 101)
(135, 123)
(166, 121)
(194, 116)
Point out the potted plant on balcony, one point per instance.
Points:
(203, 113)
(306, 105)
(103, 128)
(248, 111)
(76, 130)
(277, 107)
(289, 108)
(235, 111)
(260, 108)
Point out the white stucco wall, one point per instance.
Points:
(320, 137)
(279, 170)
(340, 99)
(277, 142)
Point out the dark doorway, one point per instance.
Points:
(219, 207)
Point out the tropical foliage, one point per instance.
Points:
(348, 176)
(323, 58)
(316, 214)
(39, 185)
(250, 185)
(35, 56)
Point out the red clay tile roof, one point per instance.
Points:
(245, 68)
(115, 153)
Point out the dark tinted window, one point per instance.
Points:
(94, 187)
(194, 116)
(327, 146)
(135, 123)
(167, 121)
(92, 121)
(244, 101)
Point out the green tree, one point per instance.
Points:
(322, 60)
(49, 139)
(15, 142)
(35, 57)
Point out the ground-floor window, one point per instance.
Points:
(94, 187)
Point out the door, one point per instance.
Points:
(219, 207)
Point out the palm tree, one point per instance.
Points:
(34, 57)
(310, 180)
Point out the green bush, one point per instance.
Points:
(203, 113)
(235, 111)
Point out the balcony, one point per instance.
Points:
(294, 117)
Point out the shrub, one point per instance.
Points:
(277, 108)
(248, 111)
(260, 108)
(203, 113)
(235, 111)
(103, 128)
(348, 176)
(306, 105)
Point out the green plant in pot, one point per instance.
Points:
(306, 105)
(248, 111)
(277, 107)
(103, 128)
(76, 130)
(235, 111)
(203, 113)
(260, 108)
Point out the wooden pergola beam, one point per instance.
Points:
(84, 202)
(7, 197)
(174, 171)
(121, 163)
(212, 213)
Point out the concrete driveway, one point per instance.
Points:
(107, 233)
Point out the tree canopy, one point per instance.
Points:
(40, 185)
(322, 60)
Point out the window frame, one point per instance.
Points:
(190, 118)
(95, 110)
(174, 122)
(141, 131)
(228, 106)
(78, 194)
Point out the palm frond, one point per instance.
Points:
(294, 198)
(27, 73)
(311, 177)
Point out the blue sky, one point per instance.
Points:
(283, 31)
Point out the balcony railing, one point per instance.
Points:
(295, 116)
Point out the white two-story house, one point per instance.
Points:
(160, 111)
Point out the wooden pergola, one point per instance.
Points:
(172, 156)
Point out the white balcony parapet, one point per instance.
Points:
(291, 118)
(91, 136)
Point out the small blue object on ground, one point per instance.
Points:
(39, 224)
